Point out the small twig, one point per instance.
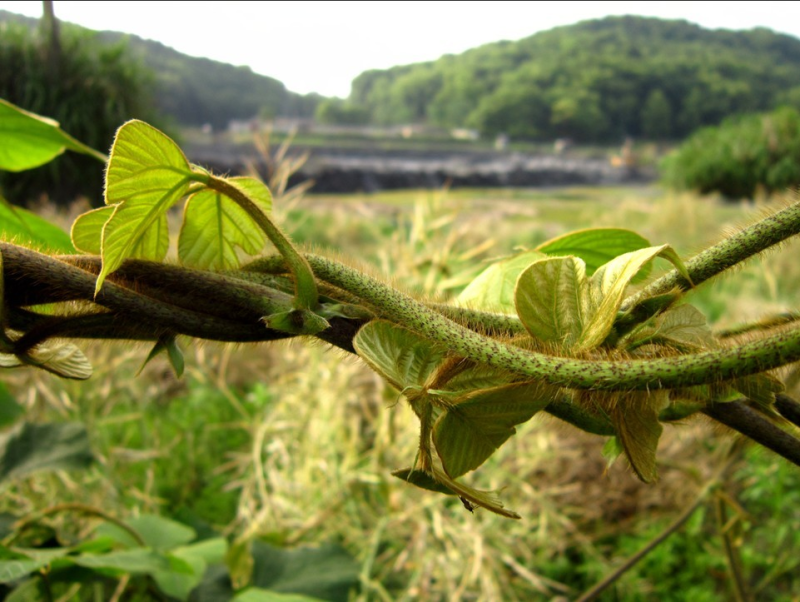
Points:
(731, 553)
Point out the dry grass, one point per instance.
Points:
(319, 433)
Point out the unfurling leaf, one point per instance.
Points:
(87, 229)
(607, 290)
(30, 140)
(760, 388)
(146, 175)
(493, 289)
(484, 499)
(400, 356)
(214, 226)
(612, 450)
(551, 299)
(635, 416)
(473, 427)
(596, 246)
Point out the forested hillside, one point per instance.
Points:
(182, 89)
(596, 80)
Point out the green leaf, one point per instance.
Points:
(403, 358)
(87, 229)
(30, 140)
(596, 246)
(683, 327)
(136, 561)
(327, 572)
(635, 418)
(607, 291)
(551, 299)
(476, 425)
(422, 479)
(146, 175)
(214, 226)
(169, 344)
(30, 448)
(493, 289)
(157, 532)
(25, 228)
(10, 410)
(256, 594)
(19, 563)
(197, 556)
(137, 231)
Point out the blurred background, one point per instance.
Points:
(424, 144)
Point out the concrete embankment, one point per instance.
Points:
(337, 170)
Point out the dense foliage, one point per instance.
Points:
(741, 156)
(88, 87)
(179, 86)
(597, 80)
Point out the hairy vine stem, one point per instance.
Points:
(734, 249)
(663, 373)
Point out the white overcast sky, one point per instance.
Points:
(321, 46)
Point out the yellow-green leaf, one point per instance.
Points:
(493, 289)
(476, 425)
(30, 140)
(87, 229)
(146, 175)
(214, 226)
(24, 227)
(551, 299)
(402, 357)
(607, 291)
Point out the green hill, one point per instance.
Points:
(181, 83)
(596, 80)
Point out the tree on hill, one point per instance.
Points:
(596, 80)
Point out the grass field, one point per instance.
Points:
(294, 442)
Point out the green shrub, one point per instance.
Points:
(739, 157)
(96, 88)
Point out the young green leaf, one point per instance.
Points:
(87, 229)
(214, 226)
(30, 140)
(635, 417)
(476, 425)
(136, 561)
(23, 227)
(552, 298)
(493, 289)
(400, 356)
(596, 246)
(146, 175)
(683, 327)
(607, 290)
